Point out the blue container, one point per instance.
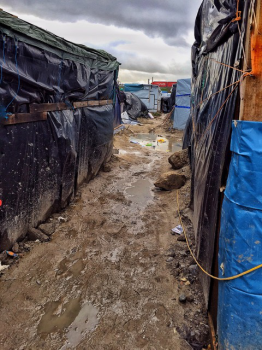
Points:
(240, 243)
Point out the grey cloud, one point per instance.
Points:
(138, 63)
(169, 19)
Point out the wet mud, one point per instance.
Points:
(106, 279)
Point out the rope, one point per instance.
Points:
(226, 65)
(238, 14)
(198, 264)
(211, 122)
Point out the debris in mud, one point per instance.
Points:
(170, 181)
(194, 328)
(178, 229)
(34, 234)
(179, 159)
(156, 142)
(12, 254)
(61, 219)
(3, 267)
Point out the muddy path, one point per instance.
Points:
(106, 280)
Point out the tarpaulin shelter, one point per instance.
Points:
(148, 93)
(182, 105)
(56, 122)
(226, 57)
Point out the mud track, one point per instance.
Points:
(103, 281)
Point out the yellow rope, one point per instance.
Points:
(198, 264)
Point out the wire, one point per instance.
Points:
(198, 264)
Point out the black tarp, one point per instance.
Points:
(42, 163)
(135, 107)
(208, 129)
(167, 103)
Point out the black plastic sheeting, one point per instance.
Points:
(134, 107)
(43, 163)
(208, 130)
(167, 103)
(33, 75)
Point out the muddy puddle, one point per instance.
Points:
(140, 192)
(157, 142)
(71, 318)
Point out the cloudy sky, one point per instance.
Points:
(151, 38)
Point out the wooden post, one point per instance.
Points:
(251, 88)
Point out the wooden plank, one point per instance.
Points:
(82, 104)
(251, 89)
(20, 118)
(48, 107)
(60, 106)
(213, 337)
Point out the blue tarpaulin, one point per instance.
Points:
(182, 108)
(240, 244)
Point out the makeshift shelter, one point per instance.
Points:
(228, 225)
(149, 94)
(182, 104)
(56, 122)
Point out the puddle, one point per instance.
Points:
(140, 192)
(58, 316)
(156, 142)
(78, 320)
(85, 322)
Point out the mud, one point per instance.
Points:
(106, 280)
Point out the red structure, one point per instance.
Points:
(164, 84)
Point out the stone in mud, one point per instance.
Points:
(182, 298)
(170, 181)
(181, 238)
(171, 252)
(48, 228)
(5, 260)
(170, 259)
(179, 159)
(33, 234)
(15, 248)
(106, 168)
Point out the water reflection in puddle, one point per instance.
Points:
(140, 192)
(76, 319)
(157, 142)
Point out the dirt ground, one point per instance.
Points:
(112, 277)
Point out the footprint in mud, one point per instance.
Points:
(71, 266)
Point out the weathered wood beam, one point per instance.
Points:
(19, 118)
(51, 107)
(251, 88)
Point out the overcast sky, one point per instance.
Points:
(151, 38)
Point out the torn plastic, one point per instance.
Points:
(134, 107)
(208, 129)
